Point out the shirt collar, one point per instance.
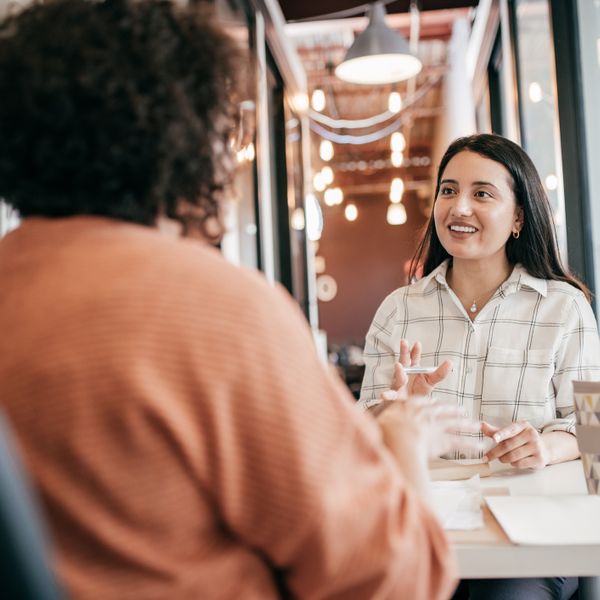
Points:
(518, 278)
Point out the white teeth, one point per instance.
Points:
(462, 229)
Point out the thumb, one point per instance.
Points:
(488, 429)
(439, 374)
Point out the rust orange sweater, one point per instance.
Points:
(185, 439)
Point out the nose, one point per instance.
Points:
(462, 205)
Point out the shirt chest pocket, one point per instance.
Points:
(516, 386)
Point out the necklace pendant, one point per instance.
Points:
(473, 308)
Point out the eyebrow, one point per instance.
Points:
(474, 183)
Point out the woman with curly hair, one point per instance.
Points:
(178, 452)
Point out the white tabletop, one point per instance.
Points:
(489, 554)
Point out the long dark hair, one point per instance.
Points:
(536, 248)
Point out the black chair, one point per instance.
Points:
(24, 570)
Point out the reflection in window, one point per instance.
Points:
(538, 103)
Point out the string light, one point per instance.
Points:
(326, 150)
(397, 142)
(319, 182)
(351, 212)
(397, 159)
(551, 182)
(327, 174)
(333, 196)
(297, 221)
(394, 102)
(396, 190)
(396, 214)
(318, 100)
(535, 92)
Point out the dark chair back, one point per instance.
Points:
(24, 570)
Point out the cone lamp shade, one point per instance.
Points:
(378, 55)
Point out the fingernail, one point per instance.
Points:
(497, 438)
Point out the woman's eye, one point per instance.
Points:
(482, 194)
(446, 191)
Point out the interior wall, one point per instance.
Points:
(368, 259)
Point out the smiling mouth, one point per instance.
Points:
(462, 229)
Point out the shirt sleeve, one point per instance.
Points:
(578, 358)
(379, 354)
(302, 476)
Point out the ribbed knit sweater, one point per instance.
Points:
(184, 437)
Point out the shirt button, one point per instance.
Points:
(462, 456)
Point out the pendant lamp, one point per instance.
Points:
(379, 54)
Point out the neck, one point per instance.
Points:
(476, 281)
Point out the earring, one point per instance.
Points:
(516, 234)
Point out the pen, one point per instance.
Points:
(416, 370)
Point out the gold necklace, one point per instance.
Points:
(474, 308)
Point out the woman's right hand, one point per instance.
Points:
(420, 384)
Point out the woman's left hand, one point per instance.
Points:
(519, 444)
(421, 384)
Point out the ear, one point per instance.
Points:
(519, 218)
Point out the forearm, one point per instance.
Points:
(561, 446)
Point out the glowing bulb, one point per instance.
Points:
(339, 195)
(351, 212)
(397, 142)
(297, 220)
(395, 102)
(300, 102)
(397, 158)
(318, 100)
(319, 182)
(250, 153)
(240, 155)
(396, 190)
(326, 150)
(327, 174)
(396, 214)
(551, 182)
(314, 218)
(329, 197)
(535, 92)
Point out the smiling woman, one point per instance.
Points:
(496, 301)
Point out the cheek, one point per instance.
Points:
(439, 216)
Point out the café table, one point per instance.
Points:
(488, 552)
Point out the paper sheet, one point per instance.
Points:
(457, 504)
(548, 520)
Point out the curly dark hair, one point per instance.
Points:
(118, 108)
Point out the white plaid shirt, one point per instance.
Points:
(515, 361)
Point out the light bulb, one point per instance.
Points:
(318, 100)
(351, 212)
(297, 220)
(535, 92)
(551, 182)
(394, 102)
(330, 197)
(326, 150)
(327, 174)
(397, 142)
(319, 182)
(396, 190)
(396, 214)
(397, 158)
(314, 218)
(300, 102)
(250, 153)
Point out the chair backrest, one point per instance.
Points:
(24, 569)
